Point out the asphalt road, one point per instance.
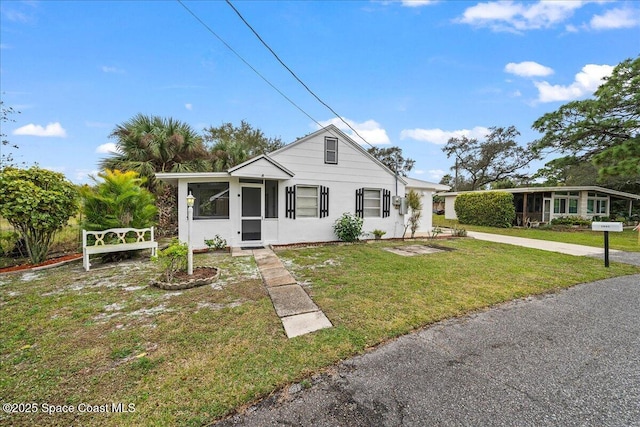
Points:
(566, 359)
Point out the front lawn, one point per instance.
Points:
(625, 241)
(70, 337)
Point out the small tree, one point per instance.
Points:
(119, 200)
(38, 203)
(415, 205)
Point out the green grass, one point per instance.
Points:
(628, 240)
(187, 358)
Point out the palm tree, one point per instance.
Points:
(150, 144)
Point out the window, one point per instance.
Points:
(372, 203)
(271, 199)
(565, 202)
(212, 200)
(306, 202)
(331, 150)
(597, 204)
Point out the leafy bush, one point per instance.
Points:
(571, 220)
(458, 232)
(348, 227)
(37, 203)
(415, 205)
(8, 242)
(378, 233)
(491, 209)
(173, 259)
(216, 243)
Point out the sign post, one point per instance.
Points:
(606, 227)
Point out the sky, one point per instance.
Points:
(402, 73)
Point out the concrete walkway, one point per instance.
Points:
(299, 314)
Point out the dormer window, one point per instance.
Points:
(331, 150)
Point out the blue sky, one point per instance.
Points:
(411, 74)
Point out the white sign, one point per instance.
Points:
(606, 226)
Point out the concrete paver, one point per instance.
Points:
(289, 300)
(305, 323)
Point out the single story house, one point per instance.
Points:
(542, 204)
(296, 193)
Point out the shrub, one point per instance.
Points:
(378, 233)
(571, 220)
(216, 243)
(37, 203)
(118, 200)
(415, 205)
(348, 227)
(491, 208)
(173, 259)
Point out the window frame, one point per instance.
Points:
(195, 188)
(316, 198)
(364, 203)
(328, 139)
(271, 209)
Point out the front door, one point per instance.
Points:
(251, 213)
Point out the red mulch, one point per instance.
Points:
(47, 262)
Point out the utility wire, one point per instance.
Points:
(249, 65)
(292, 73)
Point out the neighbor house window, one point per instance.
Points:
(271, 199)
(331, 150)
(597, 204)
(565, 202)
(212, 200)
(306, 201)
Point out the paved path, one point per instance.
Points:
(566, 359)
(299, 314)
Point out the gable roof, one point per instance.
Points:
(595, 188)
(333, 129)
(261, 166)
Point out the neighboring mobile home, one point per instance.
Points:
(296, 193)
(542, 204)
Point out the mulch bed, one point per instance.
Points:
(49, 262)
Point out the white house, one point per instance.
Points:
(542, 204)
(296, 193)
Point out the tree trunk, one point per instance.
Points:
(167, 201)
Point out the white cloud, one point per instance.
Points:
(417, 3)
(616, 18)
(107, 148)
(51, 130)
(107, 69)
(528, 69)
(370, 130)
(188, 106)
(517, 17)
(436, 174)
(440, 137)
(585, 83)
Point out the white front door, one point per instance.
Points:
(251, 208)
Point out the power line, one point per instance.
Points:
(294, 74)
(249, 65)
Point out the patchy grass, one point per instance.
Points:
(186, 358)
(628, 240)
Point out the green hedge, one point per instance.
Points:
(491, 209)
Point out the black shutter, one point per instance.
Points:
(290, 205)
(360, 202)
(386, 203)
(324, 202)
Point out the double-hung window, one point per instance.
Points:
(331, 150)
(212, 200)
(372, 203)
(306, 201)
(565, 202)
(597, 204)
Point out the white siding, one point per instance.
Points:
(449, 208)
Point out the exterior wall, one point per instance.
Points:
(426, 221)
(354, 170)
(449, 207)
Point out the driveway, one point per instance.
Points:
(566, 359)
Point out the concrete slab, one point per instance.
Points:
(290, 300)
(269, 262)
(412, 250)
(276, 277)
(236, 251)
(302, 324)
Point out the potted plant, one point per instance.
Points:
(378, 233)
